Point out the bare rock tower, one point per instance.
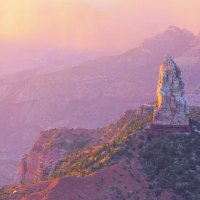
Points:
(171, 109)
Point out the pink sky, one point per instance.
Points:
(112, 26)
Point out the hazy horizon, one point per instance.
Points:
(38, 34)
(109, 27)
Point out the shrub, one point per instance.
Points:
(173, 163)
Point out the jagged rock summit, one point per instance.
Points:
(171, 108)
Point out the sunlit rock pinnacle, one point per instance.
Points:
(171, 103)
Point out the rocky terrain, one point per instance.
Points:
(126, 160)
(51, 146)
(103, 181)
(38, 100)
(172, 107)
(132, 164)
(90, 95)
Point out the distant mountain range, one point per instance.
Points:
(92, 94)
(15, 57)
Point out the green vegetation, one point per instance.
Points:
(173, 162)
(6, 192)
(195, 118)
(169, 161)
(88, 161)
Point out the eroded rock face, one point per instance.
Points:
(51, 146)
(171, 107)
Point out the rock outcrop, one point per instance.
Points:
(171, 107)
(51, 146)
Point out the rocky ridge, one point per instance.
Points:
(46, 99)
(124, 160)
(124, 166)
(54, 145)
(51, 146)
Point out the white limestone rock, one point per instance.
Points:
(171, 104)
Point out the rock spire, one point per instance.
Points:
(171, 107)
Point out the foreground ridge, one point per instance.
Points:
(135, 158)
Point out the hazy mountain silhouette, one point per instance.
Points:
(92, 94)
